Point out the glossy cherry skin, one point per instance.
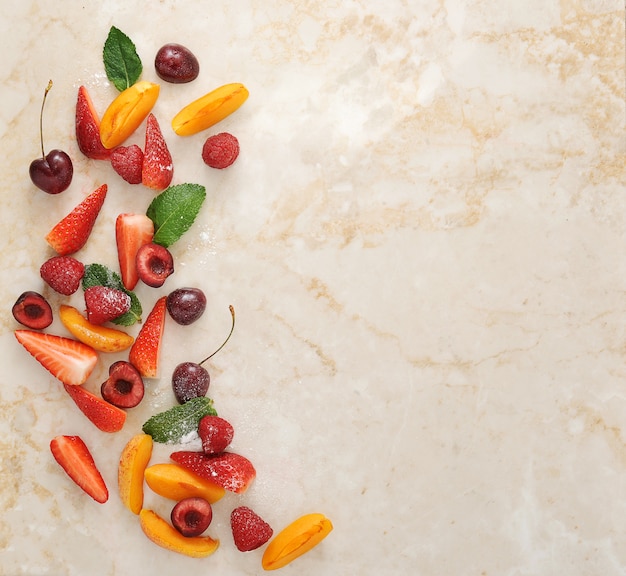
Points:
(53, 173)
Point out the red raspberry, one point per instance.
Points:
(63, 274)
(220, 151)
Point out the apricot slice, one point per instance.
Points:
(209, 109)
(295, 540)
(130, 473)
(102, 338)
(127, 112)
(177, 483)
(163, 534)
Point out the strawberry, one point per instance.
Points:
(231, 471)
(68, 360)
(157, 170)
(72, 232)
(145, 352)
(131, 232)
(104, 303)
(88, 128)
(249, 530)
(103, 414)
(74, 457)
(63, 274)
(216, 434)
(127, 161)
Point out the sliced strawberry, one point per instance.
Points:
(104, 304)
(74, 457)
(88, 128)
(231, 471)
(68, 360)
(72, 232)
(158, 169)
(216, 434)
(145, 352)
(131, 232)
(63, 274)
(127, 161)
(249, 530)
(103, 414)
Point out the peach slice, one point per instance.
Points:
(130, 473)
(209, 109)
(127, 112)
(163, 534)
(295, 540)
(101, 338)
(176, 483)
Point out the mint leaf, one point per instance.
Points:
(174, 210)
(100, 275)
(171, 426)
(121, 61)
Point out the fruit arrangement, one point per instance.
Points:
(194, 480)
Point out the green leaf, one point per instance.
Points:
(171, 426)
(100, 275)
(174, 210)
(121, 61)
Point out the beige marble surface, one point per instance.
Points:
(424, 242)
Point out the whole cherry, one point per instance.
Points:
(53, 172)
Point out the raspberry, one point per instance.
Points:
(63, 274)
(220, 151)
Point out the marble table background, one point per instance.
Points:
(424, 240)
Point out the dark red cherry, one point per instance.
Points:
(32, 310)
(186, 305)
(176, 64)
(124, 387)
(192, 516)
(154, 264)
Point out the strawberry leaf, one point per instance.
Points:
(121, 61)
(174, 210)
(171, 426)
(100, 275)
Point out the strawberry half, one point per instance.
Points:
(132, 231)
(103, 414)
(249, 530)
(215, 433)
(68, 360)
(145, 352)
(63, 274)
(231, 471)
(72, 232)
(74, 457)
(127, 161)
(157, 170)
(88, 128)
(104, 304)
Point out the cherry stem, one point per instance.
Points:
(232, 314)
(43, 102)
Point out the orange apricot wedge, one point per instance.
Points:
(129, 109)
(163, 534)
(295, 540)
(101, 338)
(176, 483)
(209, 109)
(130, 473)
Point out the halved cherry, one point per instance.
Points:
(124, 387)
(32, 310)
(154, 264)
(192, 516)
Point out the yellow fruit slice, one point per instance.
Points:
(209, 109)
(166, 536)
(102, 338)
(130, 473)
(127, 112)
(175, 482)
(295, 540)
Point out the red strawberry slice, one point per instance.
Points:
(249, 530)
(157, 170)
(88, 128)
(132, 231)
(127, 161)
(74, 457)
(216, 434)
(231, 471)
(72, 232)
(145, 352)
(103, 414)
(68, 360)
(63, 274)
(104, 304)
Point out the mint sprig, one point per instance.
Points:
(100, 275)
(174, 210)
(171, 426)
(122, 64)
